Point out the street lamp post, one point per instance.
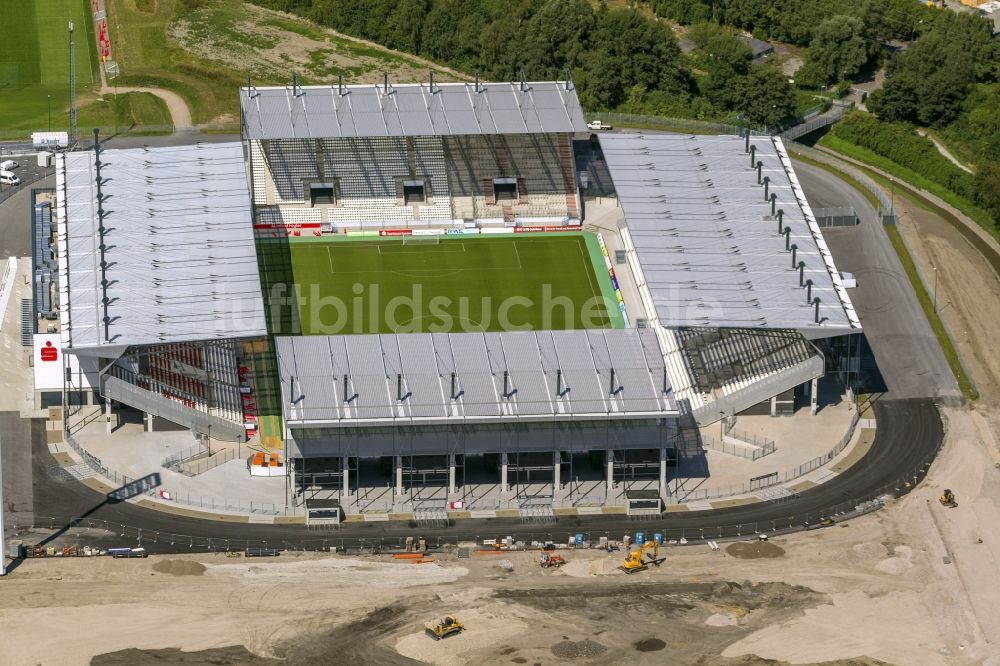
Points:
(935, 288)
(892, 198)
(50, 112)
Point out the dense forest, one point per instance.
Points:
(622, 59)
(943, 68)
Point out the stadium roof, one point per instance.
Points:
(710, 252)
(178, 246)
(320, 112)
(550, 375)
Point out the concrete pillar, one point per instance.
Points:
(814, 397)
(345, 488)
(399, 474)
(663, 471)
(149, 422)
(503, 473)
(451, 474)
(774, 405)
(556, 468)
(107, 415)
(611, 470)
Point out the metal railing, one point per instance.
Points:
(27, 178)
(173, 461)
(699, 494)
(202, 465)
(157, 541)
(749, 447)
(119, 479)
(760, 390)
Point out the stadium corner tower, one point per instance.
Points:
(577, 303)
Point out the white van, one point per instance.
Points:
(8, 165)
(7, 178)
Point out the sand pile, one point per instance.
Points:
(345, 571)
(578, 649)
(868, 551)
(724, 619)
(899, 564)
(485, 628)
(584, 568)
(753, 550)
(179, 567)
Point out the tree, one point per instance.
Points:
(767, 97)
(837, 52)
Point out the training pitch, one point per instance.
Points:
(433, 285)
(34, 61)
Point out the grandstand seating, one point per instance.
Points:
(541, 163)
(201, 376)
(678, 372)
(732, 359)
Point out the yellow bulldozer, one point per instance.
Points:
(634, 559)
(948, 499)
(448, 626)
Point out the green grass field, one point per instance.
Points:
(34, 62)
(527, 282)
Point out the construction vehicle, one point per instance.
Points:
(550, 560)
(599, 125)
(948, 499)
(448, 626)
(634, 559)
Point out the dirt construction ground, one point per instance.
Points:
(912, 584)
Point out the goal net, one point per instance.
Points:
(421, 240)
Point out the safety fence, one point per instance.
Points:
(7, 286)
(166, 494)
(26, 178)
(773, 479)
(745, 445)
(81, 530)
(888, 215)
(887, 209)
(202, 465)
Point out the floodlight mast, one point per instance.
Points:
(72, 91)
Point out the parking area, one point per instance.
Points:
(15, 204)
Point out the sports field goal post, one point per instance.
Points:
(421, 240)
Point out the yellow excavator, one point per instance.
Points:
(634, 559)
(948, 499)
(448, 626)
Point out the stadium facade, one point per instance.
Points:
(726, 288)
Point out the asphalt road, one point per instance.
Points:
(909, 435)
(908, 355)
(16, 439)
(15, 214)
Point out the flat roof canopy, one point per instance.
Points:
(165, 255)
(711, 253)
(415, 109)
(354, 380)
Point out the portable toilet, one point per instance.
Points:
(658, 538)
(579, 540)
(640, 538)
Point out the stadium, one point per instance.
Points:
(429, 296)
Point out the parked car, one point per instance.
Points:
(598, 125)
(8, 178)
(8, 165)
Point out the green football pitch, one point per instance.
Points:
(523, 282)
(34, 61)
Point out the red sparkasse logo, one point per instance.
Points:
(49, 353)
